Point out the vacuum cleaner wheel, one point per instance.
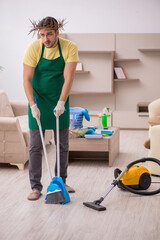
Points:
(144, 181)
(117, 171)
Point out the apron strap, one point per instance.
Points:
(59, 46)
(42, 51)
(60, 51)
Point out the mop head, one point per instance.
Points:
(56, 192)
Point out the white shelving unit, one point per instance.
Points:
(96, 87)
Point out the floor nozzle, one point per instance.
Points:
(94, 205)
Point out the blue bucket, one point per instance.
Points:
(76, 117)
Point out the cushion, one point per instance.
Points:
(154, 121)
(23, 121)
(155, 150)
(5, 106)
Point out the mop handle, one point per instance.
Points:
(45, 152)
(58, 153)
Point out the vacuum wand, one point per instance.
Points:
(96, 204)
(114, 183)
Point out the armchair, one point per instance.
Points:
(154, 135)
(14, 132)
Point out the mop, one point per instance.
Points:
(56, 191)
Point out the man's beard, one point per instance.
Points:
(49, 42)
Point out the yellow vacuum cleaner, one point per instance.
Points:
(134, 179)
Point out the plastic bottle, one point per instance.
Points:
(105, 110)
(104, 120)
(98, 130)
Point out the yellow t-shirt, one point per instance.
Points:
(33, 52)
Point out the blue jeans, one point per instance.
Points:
(35, 156)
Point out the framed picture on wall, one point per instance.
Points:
(120, 74)
(79, 67)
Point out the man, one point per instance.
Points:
(49, 67)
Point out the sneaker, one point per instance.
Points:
(34, 195)
(69, 189)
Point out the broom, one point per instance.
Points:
(56, 191)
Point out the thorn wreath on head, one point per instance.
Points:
(47, 23)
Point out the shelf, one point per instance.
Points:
(81, 72)
(126, 80)
(121, 72)
(143, 114)
(125, 59)
(149, 49)
(98, 51)
(87, 93)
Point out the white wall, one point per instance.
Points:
(83, 16)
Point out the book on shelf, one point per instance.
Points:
(119, 73)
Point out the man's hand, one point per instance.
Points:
(59, 108)
(36, 113)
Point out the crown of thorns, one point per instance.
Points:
(50, 23)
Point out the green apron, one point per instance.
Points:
(47, 85)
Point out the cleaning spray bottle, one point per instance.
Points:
(99, 124)
(104, 118)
